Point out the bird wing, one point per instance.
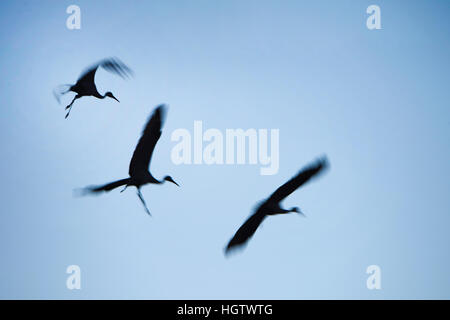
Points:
(113, 65)
(150, 136)
(246, 231)
(106, 187)
(88, 75)
(116, 66)
(301, 178)
(60, 91)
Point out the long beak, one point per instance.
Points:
(116, 99)
(175, 183)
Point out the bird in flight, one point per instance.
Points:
(271, 206)
(85, 85)
(139, 164)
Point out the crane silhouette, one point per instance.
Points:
(139, 164)
(271, 206)
(85, 85)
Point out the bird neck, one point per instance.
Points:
(99, 96)
(273, 208)
(163, 180)
(153, 180)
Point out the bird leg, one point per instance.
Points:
(68, 112)
(70, 105)
(143, 201)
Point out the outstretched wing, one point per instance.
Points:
(150, 136)
(88, 76)
(102, 188)
(301, 178)
(116, 66)
(106, 187)
(246, 231)
(60, 91)
(113, 65)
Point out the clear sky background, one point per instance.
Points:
(375, 102)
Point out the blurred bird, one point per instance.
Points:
(271, 206)
(139, 165)
(85, 85)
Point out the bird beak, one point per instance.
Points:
(168, 178)
(116, 99)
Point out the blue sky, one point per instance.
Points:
(375, 102)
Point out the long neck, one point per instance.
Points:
(153, 180)
(274, 208)
(99, 96)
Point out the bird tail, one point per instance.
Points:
(60, 91)
(106, 187)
